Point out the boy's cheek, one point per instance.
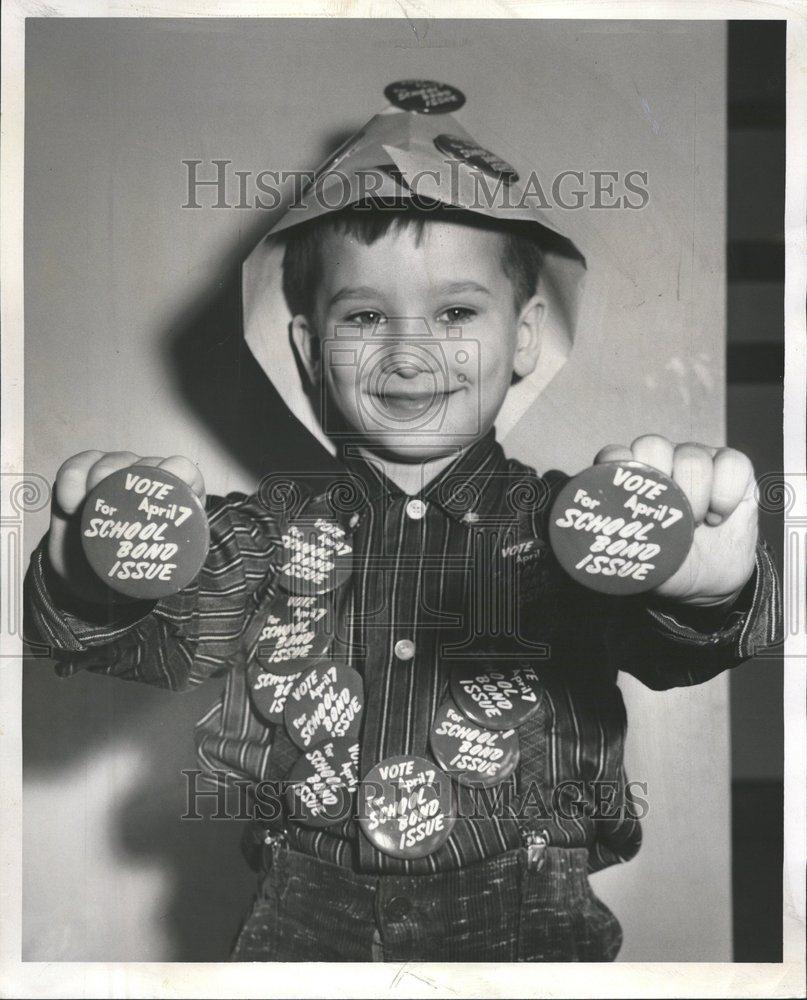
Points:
(342, 379)
(494, 379)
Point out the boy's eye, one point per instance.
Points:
(367, 317)
(456, 314)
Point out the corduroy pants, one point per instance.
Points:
(498, 910)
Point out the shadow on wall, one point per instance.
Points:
(65, 722)
(204, 885)
(225, 386)
(228, 391)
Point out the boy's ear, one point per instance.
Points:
(307, 344)
(528, 334)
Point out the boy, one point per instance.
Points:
(470, 777)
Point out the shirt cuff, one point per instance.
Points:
(752, 620)
(67, 622)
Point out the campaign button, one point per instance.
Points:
(297, 633)
(476, 156)
(426, 97)
(469, 753)
(269, 691)
(144, 532)
(501, 698)
(317, 556)
(325, 703)
(621, 527)
(522, 552)
(321, 784)
(406, 807)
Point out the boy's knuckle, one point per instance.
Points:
(723, 502)
(734, 456)
(691, 456)
(650, 439)
(111, 459)
(78, 461)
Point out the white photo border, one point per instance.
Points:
(41, 979)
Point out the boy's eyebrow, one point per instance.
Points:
(354, 292)
(457, 287)
(367, 292)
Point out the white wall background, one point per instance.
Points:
(120, 280)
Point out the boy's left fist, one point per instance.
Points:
(719, 484)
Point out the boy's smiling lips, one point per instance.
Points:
(413, 400)
(409, 383)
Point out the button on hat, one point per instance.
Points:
(426, 97)
(476, 156)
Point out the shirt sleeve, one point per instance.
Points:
(678, 646)
(174, 643)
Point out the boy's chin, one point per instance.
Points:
(413, 447)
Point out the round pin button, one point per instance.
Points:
(325, 703)
(406, 807)
(268, 692)
(317, 556)
(472, 754)
(499, 699)
(476, 156)
(621, 527)
(426, 97)
(144, 532)
(296, 635)
(322, 782)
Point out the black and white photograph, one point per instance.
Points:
(403, 500)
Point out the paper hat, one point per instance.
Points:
(413, 149)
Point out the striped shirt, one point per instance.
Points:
(462, 571)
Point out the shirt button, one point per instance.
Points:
(398, 908)
(416, 509)
(404, 649)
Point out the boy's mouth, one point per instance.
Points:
(412, 400)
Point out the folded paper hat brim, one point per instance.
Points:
(396, 151)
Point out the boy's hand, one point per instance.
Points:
(74, 480)
(719, 484)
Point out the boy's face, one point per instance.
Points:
(417, 341)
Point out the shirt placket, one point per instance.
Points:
(401, 686)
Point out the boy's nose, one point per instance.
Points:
(403, 363)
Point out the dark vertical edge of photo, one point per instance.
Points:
(754, 400)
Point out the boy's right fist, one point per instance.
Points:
(75, 479)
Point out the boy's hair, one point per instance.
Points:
(367, 222)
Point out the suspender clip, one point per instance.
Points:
(274, 841)
(536, 845)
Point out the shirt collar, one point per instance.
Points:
(470, 488)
